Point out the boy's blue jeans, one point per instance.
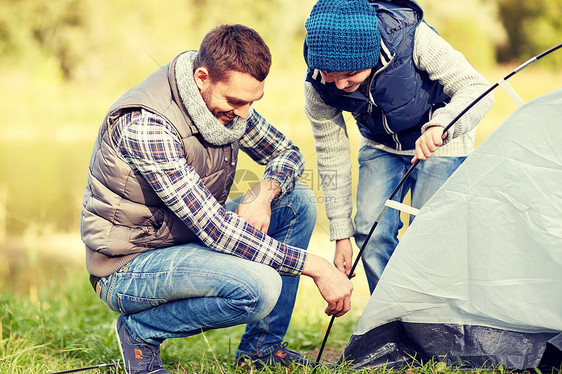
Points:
(379, 174)
(186, 289)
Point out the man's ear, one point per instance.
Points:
(201, 77)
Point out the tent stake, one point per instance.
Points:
(405, 177)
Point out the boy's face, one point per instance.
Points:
(347, 81)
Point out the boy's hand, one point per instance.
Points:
(428, 143)
(343, 257)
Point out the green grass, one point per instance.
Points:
(56, 323)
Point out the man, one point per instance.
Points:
(403, 84)
(162, 248)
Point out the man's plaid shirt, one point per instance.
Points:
(153, 147)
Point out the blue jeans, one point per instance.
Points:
(379, 174)
(183, 290)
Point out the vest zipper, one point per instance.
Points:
(371, 98)
(384, 119)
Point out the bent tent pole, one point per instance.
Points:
(114, 365)
(512, 94)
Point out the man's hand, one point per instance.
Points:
(343, 257)
(428, 143)
(255, 207)
(333, 285)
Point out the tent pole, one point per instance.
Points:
(405, 177)
(116, 364)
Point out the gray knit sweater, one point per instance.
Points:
(460, 81)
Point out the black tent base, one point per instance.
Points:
(400, 344)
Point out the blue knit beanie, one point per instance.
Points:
(342, 35)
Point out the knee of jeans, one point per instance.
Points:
(305, 202)
(266, 290)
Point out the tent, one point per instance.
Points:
(476, 281)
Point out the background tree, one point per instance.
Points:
(60, 30)
(470, 26)
(88, 40)
(531, 27)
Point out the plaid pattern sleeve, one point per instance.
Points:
(152, 147)
(267, 146)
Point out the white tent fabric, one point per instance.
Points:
(484, 253)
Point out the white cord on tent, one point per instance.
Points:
(511, 92)
(402, 207)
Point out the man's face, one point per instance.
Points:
(231, 97)
(347, 81)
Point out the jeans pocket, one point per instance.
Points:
(128, 304)
(367, 153)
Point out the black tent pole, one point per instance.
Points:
(407, 174)
(116, 364)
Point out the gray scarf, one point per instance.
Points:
(212, 130)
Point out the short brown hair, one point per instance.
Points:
(233, 47)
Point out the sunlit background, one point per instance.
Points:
(64, 62)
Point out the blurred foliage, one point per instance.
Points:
(31, 29)
(471, 27)
(86, 39)
(532, 27)
(83, 39)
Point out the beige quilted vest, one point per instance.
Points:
(121, 214)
